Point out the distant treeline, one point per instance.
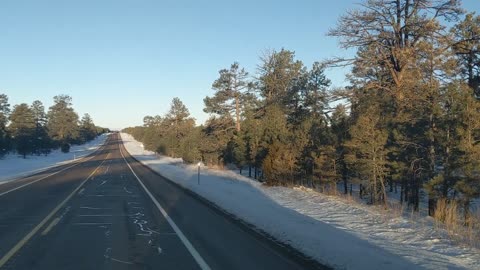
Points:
(28, 129)
(409, 118)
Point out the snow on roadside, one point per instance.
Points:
(329, 229)
(12, 166)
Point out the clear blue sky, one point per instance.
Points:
(121, 60)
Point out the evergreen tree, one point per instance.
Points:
(41, 140)
(276, 148)
(88, 130)
(398, 57)
(4, 112)
(467, 48)
(22, 127)
(368, 158)
(239, 152)
(230, 92)
(469, 145)
(459, 146)
(179, 125)
(63, 121)
(340, 126)
(217, 133)
(252, 134)
(278, 72)
(190, 149)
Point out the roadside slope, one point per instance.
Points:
(13, 167)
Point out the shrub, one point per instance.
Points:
(65, 148)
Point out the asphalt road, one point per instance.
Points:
(107, 211)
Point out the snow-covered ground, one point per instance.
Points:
(12, 166)
(332, 230)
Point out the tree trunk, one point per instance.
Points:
(417, 197)
(431, 206)
(466, 211)
(237, 113)
(374, 192)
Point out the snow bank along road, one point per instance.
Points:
(12, 167)
(108, 211)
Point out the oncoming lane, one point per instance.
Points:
(108, 224)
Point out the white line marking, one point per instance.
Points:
(108, 167)
(55, 221)
(101, 195)
(81, 191)
(126, 190)
(25, 239)
(167, 233)
(100, 216)
(159, 250)
(103, 183)
(91, 224)
(94, 208)
(200, 261)
(107, 256)
(120, 261)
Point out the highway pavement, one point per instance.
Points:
(108, 211)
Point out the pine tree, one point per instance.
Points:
(395, 41)
(22, 127)
(469, 145)
(467, 48)
(190, 149)
(278, 72)
(239, 151)
(340, 126)
(217, 133)
(368, 158)
(63, 121)
(230, 92)
(4, 112)
(460, 148)
(88, 130)
(42, 142)
(252, 134)
(277, 154)
(179, 124)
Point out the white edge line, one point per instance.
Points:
(79, 161)
(27, 237)
(200, 261)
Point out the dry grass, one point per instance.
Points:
(396, 210)
(449, 217)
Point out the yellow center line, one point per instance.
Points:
(27, 237)
(49, 228)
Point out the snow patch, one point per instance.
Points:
(13, 167)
